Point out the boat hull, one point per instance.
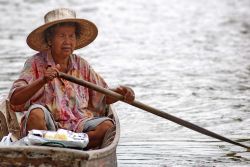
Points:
(42, 156)
(36, 156)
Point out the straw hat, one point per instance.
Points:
(88, 30)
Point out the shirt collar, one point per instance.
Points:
(50, 61)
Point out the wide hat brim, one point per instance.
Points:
(88, 32)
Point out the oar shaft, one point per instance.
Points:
(150, 109)
(185, 123)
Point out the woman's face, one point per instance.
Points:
(63, 41)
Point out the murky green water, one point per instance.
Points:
(188, 58)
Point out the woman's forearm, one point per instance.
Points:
(22, 94)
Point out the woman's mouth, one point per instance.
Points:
(66, 49)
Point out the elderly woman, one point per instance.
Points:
(50, 102)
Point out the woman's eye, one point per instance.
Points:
(72, 36)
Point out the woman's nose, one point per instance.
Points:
(67, 39)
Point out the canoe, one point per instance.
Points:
(43, 156)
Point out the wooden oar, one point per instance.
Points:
(149, 109)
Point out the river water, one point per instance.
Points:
(189, 58)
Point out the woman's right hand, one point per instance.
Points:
(22, 94)
(51, 73)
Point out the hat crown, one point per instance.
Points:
(59, 14)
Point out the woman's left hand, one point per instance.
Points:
(126, 92)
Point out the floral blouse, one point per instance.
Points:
(70, 104)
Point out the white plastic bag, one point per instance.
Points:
(6, 140)
(59, 138)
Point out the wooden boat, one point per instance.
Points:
(42, 156)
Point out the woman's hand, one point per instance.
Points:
(22, 94)
(126, 92)
(51, 73)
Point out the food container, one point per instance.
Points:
(59, 138)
